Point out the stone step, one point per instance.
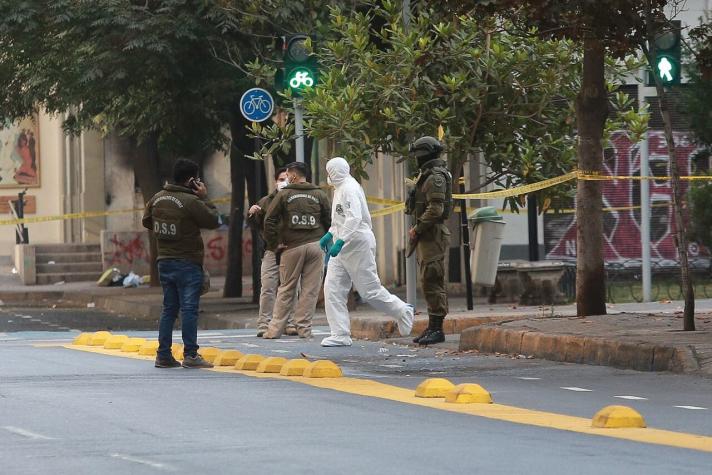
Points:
(69, 267)
(47, 279)
(68, 257)
(66, 248)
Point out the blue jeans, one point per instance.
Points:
(182, 281)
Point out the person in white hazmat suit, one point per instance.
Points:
(351, 246)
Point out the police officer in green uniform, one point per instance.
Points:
(176, 215)
(298, 217)
(430, 202)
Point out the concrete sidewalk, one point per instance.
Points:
(640, 341)
(639, 336)
(141, 302)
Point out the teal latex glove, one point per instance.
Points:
(326, 242)
(336, 248)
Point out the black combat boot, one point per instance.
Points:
(434, 333)
(422, 335)
(432, 324)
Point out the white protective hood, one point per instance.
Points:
(350, 218)
(338, 170)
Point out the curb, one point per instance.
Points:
(624, 354)
(382, 328)
(31, 298)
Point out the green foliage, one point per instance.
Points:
(489, 92)
(174, 69)
(137, 68)
(618, 24)
(627, 117)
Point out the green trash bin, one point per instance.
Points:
(488, 232)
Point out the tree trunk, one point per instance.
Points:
(680, 226)
(591, 113)
(256, 189)
(146, 168)
(240, 144)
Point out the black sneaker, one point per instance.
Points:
(435, 336)
(196, 361)
(166, 362)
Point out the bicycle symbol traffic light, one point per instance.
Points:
(301, 78)
(300, 66)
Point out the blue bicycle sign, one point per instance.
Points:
(256, 105)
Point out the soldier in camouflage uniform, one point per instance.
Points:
(431, 203)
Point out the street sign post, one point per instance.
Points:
(256, 105)
(299, 129)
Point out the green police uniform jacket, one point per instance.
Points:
(433, 197)
(299, 214)
(176, 215)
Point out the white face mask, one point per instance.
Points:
(281, 184)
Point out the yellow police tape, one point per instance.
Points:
(598, 177)
(85, 214)
(394, 206)
(390, 210)
(518, 190)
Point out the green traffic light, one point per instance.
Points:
(300, 78)
(666, 69)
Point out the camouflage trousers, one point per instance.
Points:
(432, 249)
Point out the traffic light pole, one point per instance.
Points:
(411, 266)
(299, 129)
(646, 264)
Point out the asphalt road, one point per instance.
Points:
(67, 411)
(16, 319)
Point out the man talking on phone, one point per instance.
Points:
(175, 216)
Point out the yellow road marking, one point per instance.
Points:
(500, 412)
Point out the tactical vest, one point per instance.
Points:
(421, 202)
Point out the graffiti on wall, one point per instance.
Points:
(622, 226)
(130, 251)
(127, 251)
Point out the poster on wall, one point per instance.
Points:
(20, 154)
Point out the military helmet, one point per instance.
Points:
(426, 147)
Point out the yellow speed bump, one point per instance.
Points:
(227, 358)
(273, 364)
(434, 387)
(323, 369)
(469, 394)
(249, 362)
(99, 338)
(83, 339)
(177, 351)
(618, 417)
(208, 353)
(148, 348)
(115, 342)
(132, 345)
(294, 367)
